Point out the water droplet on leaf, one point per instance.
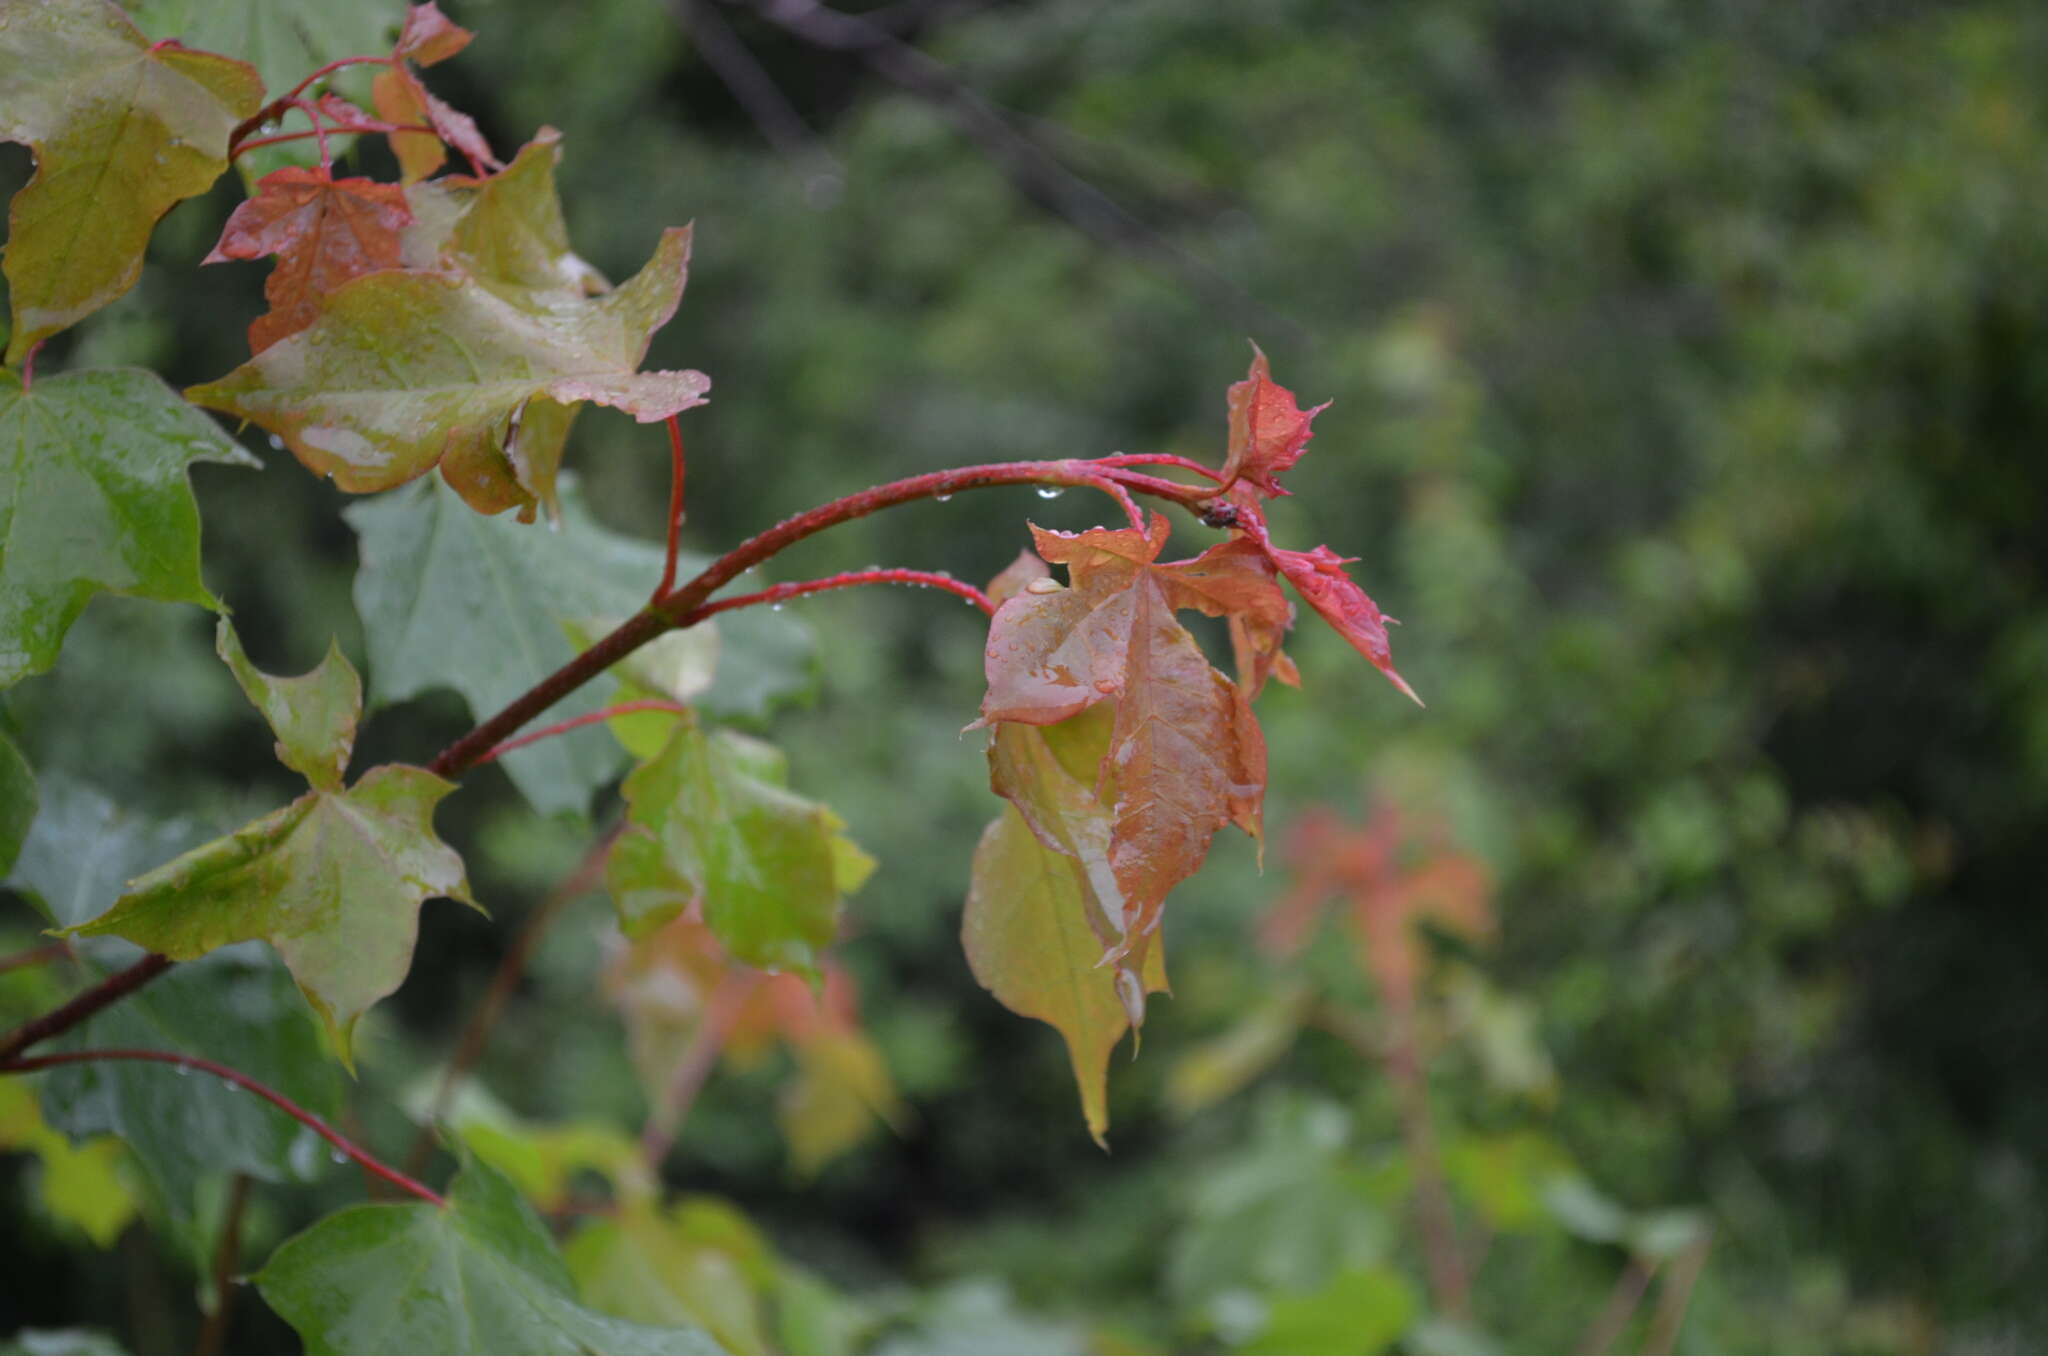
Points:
(942, 498)
(1051, 491)
(1043, 586)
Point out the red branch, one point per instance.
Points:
(783, 592)
(675, 506)
(35, 955)
(578, 722)
(240, 1080)
(58, 1020)
(1161, 459)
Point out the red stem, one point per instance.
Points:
(578, 722)
(1161, 459)
(783, 592)
(58, 1020)
(384, 128)
(35, 955)
(240, 1080)
(331, 67)
(675, 505)
(319, 130)
(669, 610)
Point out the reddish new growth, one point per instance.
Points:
(1151, 750)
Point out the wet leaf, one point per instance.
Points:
(1320, 578)
(1027, 937)
(698, 1262)
(477, 1277)
(400, 99)
(488, 608)
(93, 497)
(285, 40)
(324, 231)
(121, 132)
(430, 36)
(1268, 430)
(710, 823)
(334, 881)
(404, 371)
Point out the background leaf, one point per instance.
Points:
(93, 496)
(483, 605)
(17, 802)
(285, 40)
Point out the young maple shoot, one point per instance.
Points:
(443, 324)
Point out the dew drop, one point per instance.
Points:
(336, 1156)
(1051, 491)
(942, 498)
(1105, 686)
(184, 1070)
(1043, 586)
(775, 607)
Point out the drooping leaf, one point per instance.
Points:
(1268, 430)
(121, 131)
(17, 802)
(430, 36)
(80, 1185)
(334, 881)
(1320, 578)
(323, 231)
(188, 1129)
(710, 823)
(1185, 755)
(403, 370)
(93, 497)
(486, 607)
(1029, 943)
(477, 1277)
(285, 40)
(314, 715)
(400, 99)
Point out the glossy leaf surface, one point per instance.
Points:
(403, 370)
(323, 231)
(711, 823)
(488, 607)
(478, 1277)
(93, 497)
(121, 133)
(334, 881)
(285, 40)
(1268, 429)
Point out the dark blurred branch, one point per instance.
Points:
(751, 85)
(1673, 1297)
(227, 1259)
(1029, 166)
(1621, 1304)
(110, 990)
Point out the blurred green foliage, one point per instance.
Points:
(1689, 404)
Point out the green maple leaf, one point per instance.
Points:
(93, 497)
(710, 821)
(404, 371)
(334, 881)
(452, 599)
(285, 40)
(477, 1277)
(121, 133)
(17, 801)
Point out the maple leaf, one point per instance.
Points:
(324, 232)
(402, 371)
(1268, 429)
(430, 36)
(94, 497)
(282, 39)
(121, 131)
(401, 99)
(1320, 578)
(334, 881)
(1184, 755)
(711, 823)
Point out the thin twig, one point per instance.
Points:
(1161, 459)
(707, 1042)
(469, 1047)
(1621, 1304)
(578, 722)
(781, 593)
(241, 1080)
(61, 1019)
(675, 506)
(227, 1259)
(749, 83)
(35, 955)
(1449, 1286)
(1673, 1297)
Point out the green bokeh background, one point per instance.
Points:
(1689, 386)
